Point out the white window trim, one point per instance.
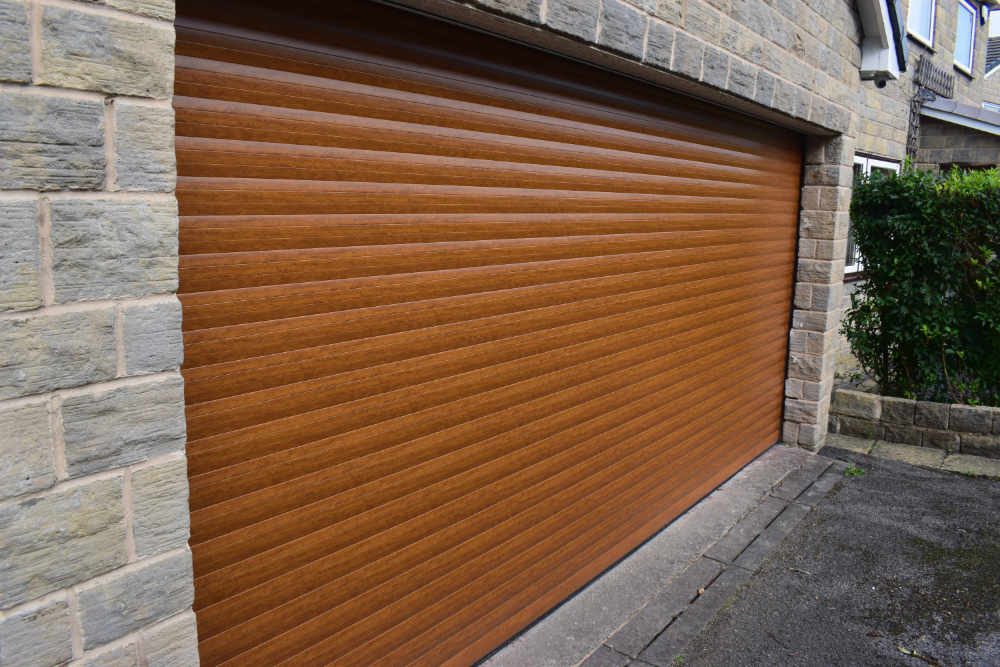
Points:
(972, 41)
(926, 40)
(867, 164)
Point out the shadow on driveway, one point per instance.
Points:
(898, 566)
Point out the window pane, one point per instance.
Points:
(921, 19)
(963, 36)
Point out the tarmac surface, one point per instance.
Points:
(896, 566)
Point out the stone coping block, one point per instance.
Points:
(953, 428)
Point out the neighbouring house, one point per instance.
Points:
(367, 332)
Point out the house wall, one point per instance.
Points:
(944, 143)
(885, 112)
(94, 563)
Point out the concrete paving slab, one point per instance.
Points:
(606, 657)
(759, 549)
(918, 456)
(822, 486)
(850, 443)
(798, 480)
(742, 534)
(637, 634)
(578, 627)
(976, 466)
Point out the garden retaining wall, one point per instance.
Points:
(954, 428)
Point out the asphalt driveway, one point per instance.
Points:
(896, 566)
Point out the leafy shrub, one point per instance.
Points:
(926, 322)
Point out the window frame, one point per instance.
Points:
(926, 40)
(972, 38)
(867, 164)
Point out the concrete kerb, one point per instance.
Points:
(925, 457)
(682, 575)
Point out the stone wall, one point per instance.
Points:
(94, 563)
(946, 143)
(954, 428)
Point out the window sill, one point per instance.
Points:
(961, 69)
(922, 41)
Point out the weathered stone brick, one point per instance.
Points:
(160, 507)
(19, 261)
(790, 433)
(26, 449)
(715, 70)
(897, 410)
(153, 340)
(820, 321)
(793, 388)
(97, 52)
(659, 44)
(623, 28)
(105, 249)
(158, 9)
(812, 436)
(703, 22)
(802, 412)
(742, 78)
(50, 143)
(47, 352)
(857, 404)
(173, 643)
(124, 425)
(784, 97)
(909, 435)
(861, 428)
(671, 11)
(15, 35)
(37, 635)
(970, 419)
(574, 17)
(60, 539)
(129, 600)
(688, 55)
(931, 415)
(144, 143)
(805, 366)
(766, 84)
(946, 440)
(126, 655)
(981, 445)
(820, 271)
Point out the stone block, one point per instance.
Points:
(659, 44)
(127, 601)
(26, 449)
(970, 419)
(742, 78)
(715, 70)
(157, 9)
(820, 271)
(688, 55)
(144, 143)
(975, 466)
(766, 84)
(37, 635)
(19, 262)
(47, 352)
(122, 655)
(860, 428)
(106, 54)
(104, 249)
(981, 445)
(153, 340)
(173, 643)
(671, 11)
(60, 539)
(623, 28)
(898, 410)
(15, 35)
(931, 415)
(160, 507)
(857, 404)
(50, 143)
(574, 17)
(801, 412)
(121, 426)
(946, 440)
(909, 435)
(918, 456)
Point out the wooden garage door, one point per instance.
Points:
(464, 324)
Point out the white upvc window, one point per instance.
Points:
(965, 37)
(991, 106)
(920, 21)
(864, 166)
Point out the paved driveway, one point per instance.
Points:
(899, 566)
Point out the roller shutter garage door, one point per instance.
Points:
(464, 323)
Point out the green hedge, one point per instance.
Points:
(926, 322)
